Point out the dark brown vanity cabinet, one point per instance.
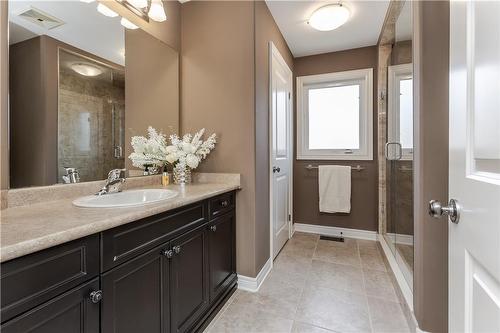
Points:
(222, 251)
(189, 279)
(136, 295)
(71, 312)
(166, 273)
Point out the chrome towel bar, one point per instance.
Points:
(355, 168)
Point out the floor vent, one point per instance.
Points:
(38, 17)
(332, 238)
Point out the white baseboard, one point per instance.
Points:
(336, 231)
(401, 238)
(253, 284)
(403, 285)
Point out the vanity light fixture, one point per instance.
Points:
(106, 11)
(138, 3)
(86, 69)
(127, 24)
(329, 17)
(156, 11)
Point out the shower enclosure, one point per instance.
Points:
(396, 139)
(91, 116)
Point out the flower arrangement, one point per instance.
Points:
(183, 154)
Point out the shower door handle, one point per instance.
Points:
(400, 151)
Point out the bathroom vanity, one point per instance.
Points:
(167, 272)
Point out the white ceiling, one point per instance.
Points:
(403, 23)
(362, 29)
(84, 27)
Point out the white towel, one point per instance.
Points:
(334, 188)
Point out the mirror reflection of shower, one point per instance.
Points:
(91, 116)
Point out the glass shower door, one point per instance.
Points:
(399, 154)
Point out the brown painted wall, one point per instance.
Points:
(149, 63)
(4, 90)
(431, 60)
(217, 92)
(225, 88)
(401, 52)
(266, 30)
(33, 121)
(168, 31)
(364, 184)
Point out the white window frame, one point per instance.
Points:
(397, 73)
(363, 77)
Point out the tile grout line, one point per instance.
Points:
(305, 281)
(364, 288)
(221, 313)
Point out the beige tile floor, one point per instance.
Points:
(319, 286)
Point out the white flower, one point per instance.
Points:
(171, 158)
(188, 148)
(188, 151)
(192, 161)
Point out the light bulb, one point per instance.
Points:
(329, 17)
(156, 11)
(87, 1)
(127, 24)
(138, 3)
(106, 11)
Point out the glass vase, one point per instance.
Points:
(182, 174)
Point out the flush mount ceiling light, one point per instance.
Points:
(86, 69)
(156, 11)
(329, 17)
(106, 11)
(127, 24)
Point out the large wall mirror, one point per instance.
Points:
(81, 84)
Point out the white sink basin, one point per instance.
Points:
(130, 198)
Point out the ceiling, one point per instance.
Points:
(83, 27)
(362, 29)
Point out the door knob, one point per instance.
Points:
(436, 209)
(177, 249)
(276, 169)
(213, 228)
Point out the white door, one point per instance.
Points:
(474, 242)
(281, 149)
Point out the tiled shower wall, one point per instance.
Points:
(85, 138)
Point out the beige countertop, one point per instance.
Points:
(31, 228)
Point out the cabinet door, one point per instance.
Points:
(135, 295)
(71, 312)
(222, 254)
(189, 279)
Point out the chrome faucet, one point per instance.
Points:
(114, 182)
(72, 175)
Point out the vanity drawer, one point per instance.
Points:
(36, 278)
(125, 242)
(221, 204)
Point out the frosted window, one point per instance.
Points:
(406, 113)
(83, 132)
(334, 117)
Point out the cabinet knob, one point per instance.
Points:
(96, 296)
(224, 203)
(177, 249)
(168, 253)
(213, 228)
